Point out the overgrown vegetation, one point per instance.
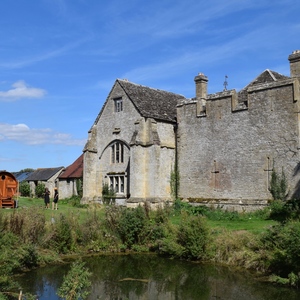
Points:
(174, 181)
(79, 187)
(32, 236)
(108, 194)
(76, 283)
(278, 185)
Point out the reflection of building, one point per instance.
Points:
(226, 144)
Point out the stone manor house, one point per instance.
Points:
(224, 145)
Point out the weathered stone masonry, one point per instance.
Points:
(228, 143)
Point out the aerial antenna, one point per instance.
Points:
(225, 83)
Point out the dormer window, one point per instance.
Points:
(118, 104)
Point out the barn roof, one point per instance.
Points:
(21, 176)
(75, 170)
(43, 174)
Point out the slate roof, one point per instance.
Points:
(43, 174)
(267, 76)
(75, 170)
(22, 176)
(150, 102)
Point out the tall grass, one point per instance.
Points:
(31, 235)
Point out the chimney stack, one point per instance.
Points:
(294, 59)
(201, 86)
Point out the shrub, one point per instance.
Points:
(79, 187)
(193, 235)
(278, 185)
(62, 239)
(108, 194)
(189, 241)
(132, 224)
(283, 243)
(40, 190)
(278, 211)
(24, 188)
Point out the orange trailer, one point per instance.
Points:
(8, 189)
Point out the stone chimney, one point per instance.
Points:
(201, 93)
(201, 86)
(294, 59)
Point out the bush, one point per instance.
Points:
(283, 211)
(132, 224)
(278, 185)
(62, 239)
(24, 188)
(190, 241)
(108, 194)
(40, 190)
(79, 187)
(193, 235)
(283, 243)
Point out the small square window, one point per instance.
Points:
(118, 104)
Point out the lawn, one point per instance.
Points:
(65, 206)
(253, 225)
(248, 223)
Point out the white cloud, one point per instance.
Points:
(21, 90)
(31, 136)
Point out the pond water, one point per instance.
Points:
(122, 277)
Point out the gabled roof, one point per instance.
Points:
(266, 77)
(152, 103)
(75, 170)
(43, 174)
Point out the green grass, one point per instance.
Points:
(252, 225)
(249, 223)
(246, 222)
(65, 206)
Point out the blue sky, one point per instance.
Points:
(60, 58)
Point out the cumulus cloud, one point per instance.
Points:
(31, 136)
(21, 90)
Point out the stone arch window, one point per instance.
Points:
(117, 153)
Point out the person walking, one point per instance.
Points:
(55, 199)
(47, 197)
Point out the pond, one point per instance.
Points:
(122, 277)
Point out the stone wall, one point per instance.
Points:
(228, 153)
(149, 149)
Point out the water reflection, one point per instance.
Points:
(121, 277)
